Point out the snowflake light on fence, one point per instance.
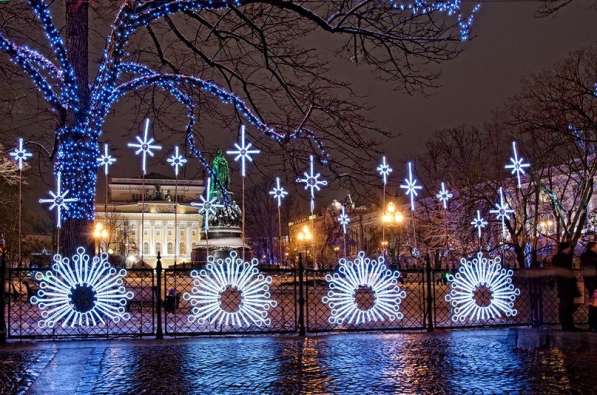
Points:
(230, 292)
(481, 290)
(83, 291)
(362, 291)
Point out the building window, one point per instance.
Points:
(170, 249)
(182, 249)
(145, 248)
(158, 248)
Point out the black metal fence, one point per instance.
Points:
(298, 305)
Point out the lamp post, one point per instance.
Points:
(391, 217)
(305, 236)
(100, 234)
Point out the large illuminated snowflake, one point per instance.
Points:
(364, 290)
(481, 290)
(83, 291)
(230, 292)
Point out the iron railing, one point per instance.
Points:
(299, 305)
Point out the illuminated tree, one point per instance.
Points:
(250, 48)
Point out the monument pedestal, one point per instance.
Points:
(220, 241)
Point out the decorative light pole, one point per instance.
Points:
(344, 220)
(444, 195)
(207, 207)
(517, 165)
(20, 155)
(502, 212)
(384, 171)
(144, 146)
(479, 223)
(243, 153)
(411, 187)
(58, 200)
(279, 193)
(106, 160)
(177, 161)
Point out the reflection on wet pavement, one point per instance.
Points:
(449, 362)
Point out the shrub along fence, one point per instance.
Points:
(248, 300)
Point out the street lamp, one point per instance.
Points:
(391, 217)
(305, 236)
(100, 233)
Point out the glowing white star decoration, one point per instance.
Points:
(207, 206)
(176, 160)
(106, 159)
(243, 152)
(278, 192)
(20, 154)
(482, 290)
(343, 219)
(312, 182)
(230, 292)
(410, 186)
(362, 291)
(502, 212)
(384, 170)
(517, 165)
(145, 146)
(443, 195)
(479, 223)
(58, 200)
(83, 292)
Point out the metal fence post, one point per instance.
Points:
(159, 334)
(429, 276)
(301, 299)
(3, 328)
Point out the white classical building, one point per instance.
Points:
(138, 234)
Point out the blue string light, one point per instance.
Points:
(78, 145)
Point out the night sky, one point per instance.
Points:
(509, 44)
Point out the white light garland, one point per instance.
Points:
(207, 206)
(410, 186)
(502, 212)
(481, 274)
(517, 165)
(176, 160)
(343, 219)
(369, 277)
(82, 292)
(106, 159)
(58, 200)
(479, 223)
(278, 192)
(312, 182)
(20, 154)
(384, 170)
(145, 146)
(444, 195)
(241, 282)
(243, 151)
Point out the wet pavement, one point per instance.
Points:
(478, 361)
